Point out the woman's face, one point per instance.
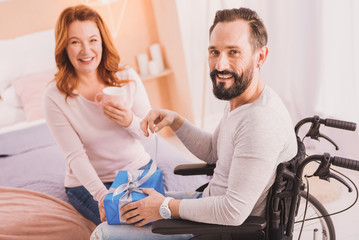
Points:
(84, 47)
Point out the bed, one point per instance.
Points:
(33, 203)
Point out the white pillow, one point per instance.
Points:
(31, 53)
(10, 114)
(10, 97)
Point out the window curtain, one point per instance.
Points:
(312, 62)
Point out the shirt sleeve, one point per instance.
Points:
(257, 145)
(75, 154)
(200, 143)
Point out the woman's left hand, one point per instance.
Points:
(101, 208)
(119, 113)
(145, 210)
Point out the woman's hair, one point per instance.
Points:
(66, 78)
(258, 37)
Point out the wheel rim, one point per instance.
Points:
(316, 229)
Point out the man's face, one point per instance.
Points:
(231, 60)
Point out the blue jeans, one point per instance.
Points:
(83, 202)
(130, 232)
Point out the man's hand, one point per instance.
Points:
(145, 210)
(157, 119)
(119, 113)
(101, 208)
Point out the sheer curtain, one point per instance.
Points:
(339, 69)
(312, 61)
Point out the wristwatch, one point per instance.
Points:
(165, 211)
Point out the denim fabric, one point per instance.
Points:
(84, 203)
(129, 232)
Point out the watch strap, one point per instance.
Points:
(164, 206)
(165, 202)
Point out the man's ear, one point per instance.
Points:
(262, 56)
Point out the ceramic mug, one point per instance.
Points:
(110, 94)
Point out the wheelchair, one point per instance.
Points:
(288, 207)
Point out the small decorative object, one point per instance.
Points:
(156, 56)
(142, 60)
(153, 67)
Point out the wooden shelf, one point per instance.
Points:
(164, 73)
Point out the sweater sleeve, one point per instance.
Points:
(257, 145)
(200, 143)
(76, 158)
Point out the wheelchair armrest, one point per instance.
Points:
(195, 169)
(178, 226)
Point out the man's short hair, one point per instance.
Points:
(258, 37)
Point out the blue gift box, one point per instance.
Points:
(126, 188)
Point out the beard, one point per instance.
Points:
(239, 85)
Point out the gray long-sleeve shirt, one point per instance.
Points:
(247, 146)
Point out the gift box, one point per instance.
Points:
(127, 187)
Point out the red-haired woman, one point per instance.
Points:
(97, 142)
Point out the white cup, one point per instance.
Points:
(111, 94)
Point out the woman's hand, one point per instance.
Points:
(157, 119)
(145, 210)
(101, 208)
(119, 113)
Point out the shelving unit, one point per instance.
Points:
(144, 23)
(164, 73)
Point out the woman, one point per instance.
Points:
(97, 142)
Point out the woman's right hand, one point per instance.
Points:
(157, 119)
(119, 113)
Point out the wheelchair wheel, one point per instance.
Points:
(314, 228)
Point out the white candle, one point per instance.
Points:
(142, 60)
(153, 67)
(156, 55)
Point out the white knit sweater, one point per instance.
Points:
(247, 146)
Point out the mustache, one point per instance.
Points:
(216, 72)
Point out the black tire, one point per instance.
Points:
(324, 225)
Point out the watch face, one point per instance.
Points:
(165, 212)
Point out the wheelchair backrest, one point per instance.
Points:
(279, 203)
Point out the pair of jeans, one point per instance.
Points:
(105, 231)
(83, 202)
